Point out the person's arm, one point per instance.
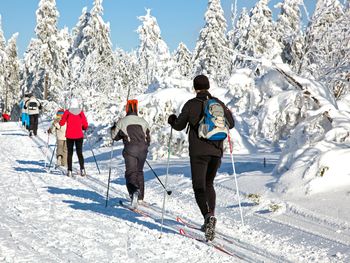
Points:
(85, 124)
(116, 132)
(180, 122)
(229, 118)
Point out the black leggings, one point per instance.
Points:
(33, 120)
(78, 148)
(203, 169)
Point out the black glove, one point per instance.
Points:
(172, 118)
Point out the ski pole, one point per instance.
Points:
(53, 152)
(109, 174)
(168, 192)
(236, 182)
(93, 154)
(166, 180)
(47, 148)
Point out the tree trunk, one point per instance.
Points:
(46, 84)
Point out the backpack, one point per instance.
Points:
(213, 125)
(32, 105)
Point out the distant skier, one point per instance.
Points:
(33, 107)
(135, 132)
(24, 114)
(76, 124)
(205, 153)
(60, 131)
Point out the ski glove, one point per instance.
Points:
(172, 118)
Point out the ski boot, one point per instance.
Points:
(83, 172)
(134, 199)
(209, 227)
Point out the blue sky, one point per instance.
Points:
(179, 20)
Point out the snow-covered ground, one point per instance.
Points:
(48, 217)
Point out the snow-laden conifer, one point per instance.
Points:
(153, 53)
(12, 74)
(2, 65)
(289, 30)
(212, 55)
(326, 50)
(261, 38)
(93, 61)
(240, 36)
(46, 65)
(183, 57)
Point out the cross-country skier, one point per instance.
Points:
(76, 124)
(33, 107)
(135, 133)
(205, 155)
(60, 131)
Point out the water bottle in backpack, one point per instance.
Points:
(213, 126)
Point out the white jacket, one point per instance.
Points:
(60, 130)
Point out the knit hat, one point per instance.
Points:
(131, 106)
(201, 82)
(59, 113)
(74, 103)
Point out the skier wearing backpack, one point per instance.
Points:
(135, 133)
(76, 123)
(33, 106)
(205, 146)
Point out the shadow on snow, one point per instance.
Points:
(97, 205)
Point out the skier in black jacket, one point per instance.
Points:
(205, 155)
(135, 132)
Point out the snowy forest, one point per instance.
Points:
(288, 85)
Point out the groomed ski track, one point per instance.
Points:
(34, 229)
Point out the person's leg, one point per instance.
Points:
(79, 150)
(35, 124)
(140, 175)
(199, 166)
(64, 153)
(70, 145)
(131, 170)
(59, 152)
(31, 123)
(213, 167)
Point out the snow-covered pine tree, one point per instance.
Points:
(128, 75)
(240, 36)
(231, 33)
(93, 62)
(46, 66)
(326, 50)
(2, 67)
(12, 75)
(289, 30)
(153, 53)
(183, 58)
(261, 38)
(212, 55)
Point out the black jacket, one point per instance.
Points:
(191, 114)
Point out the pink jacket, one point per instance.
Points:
(76, 123)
